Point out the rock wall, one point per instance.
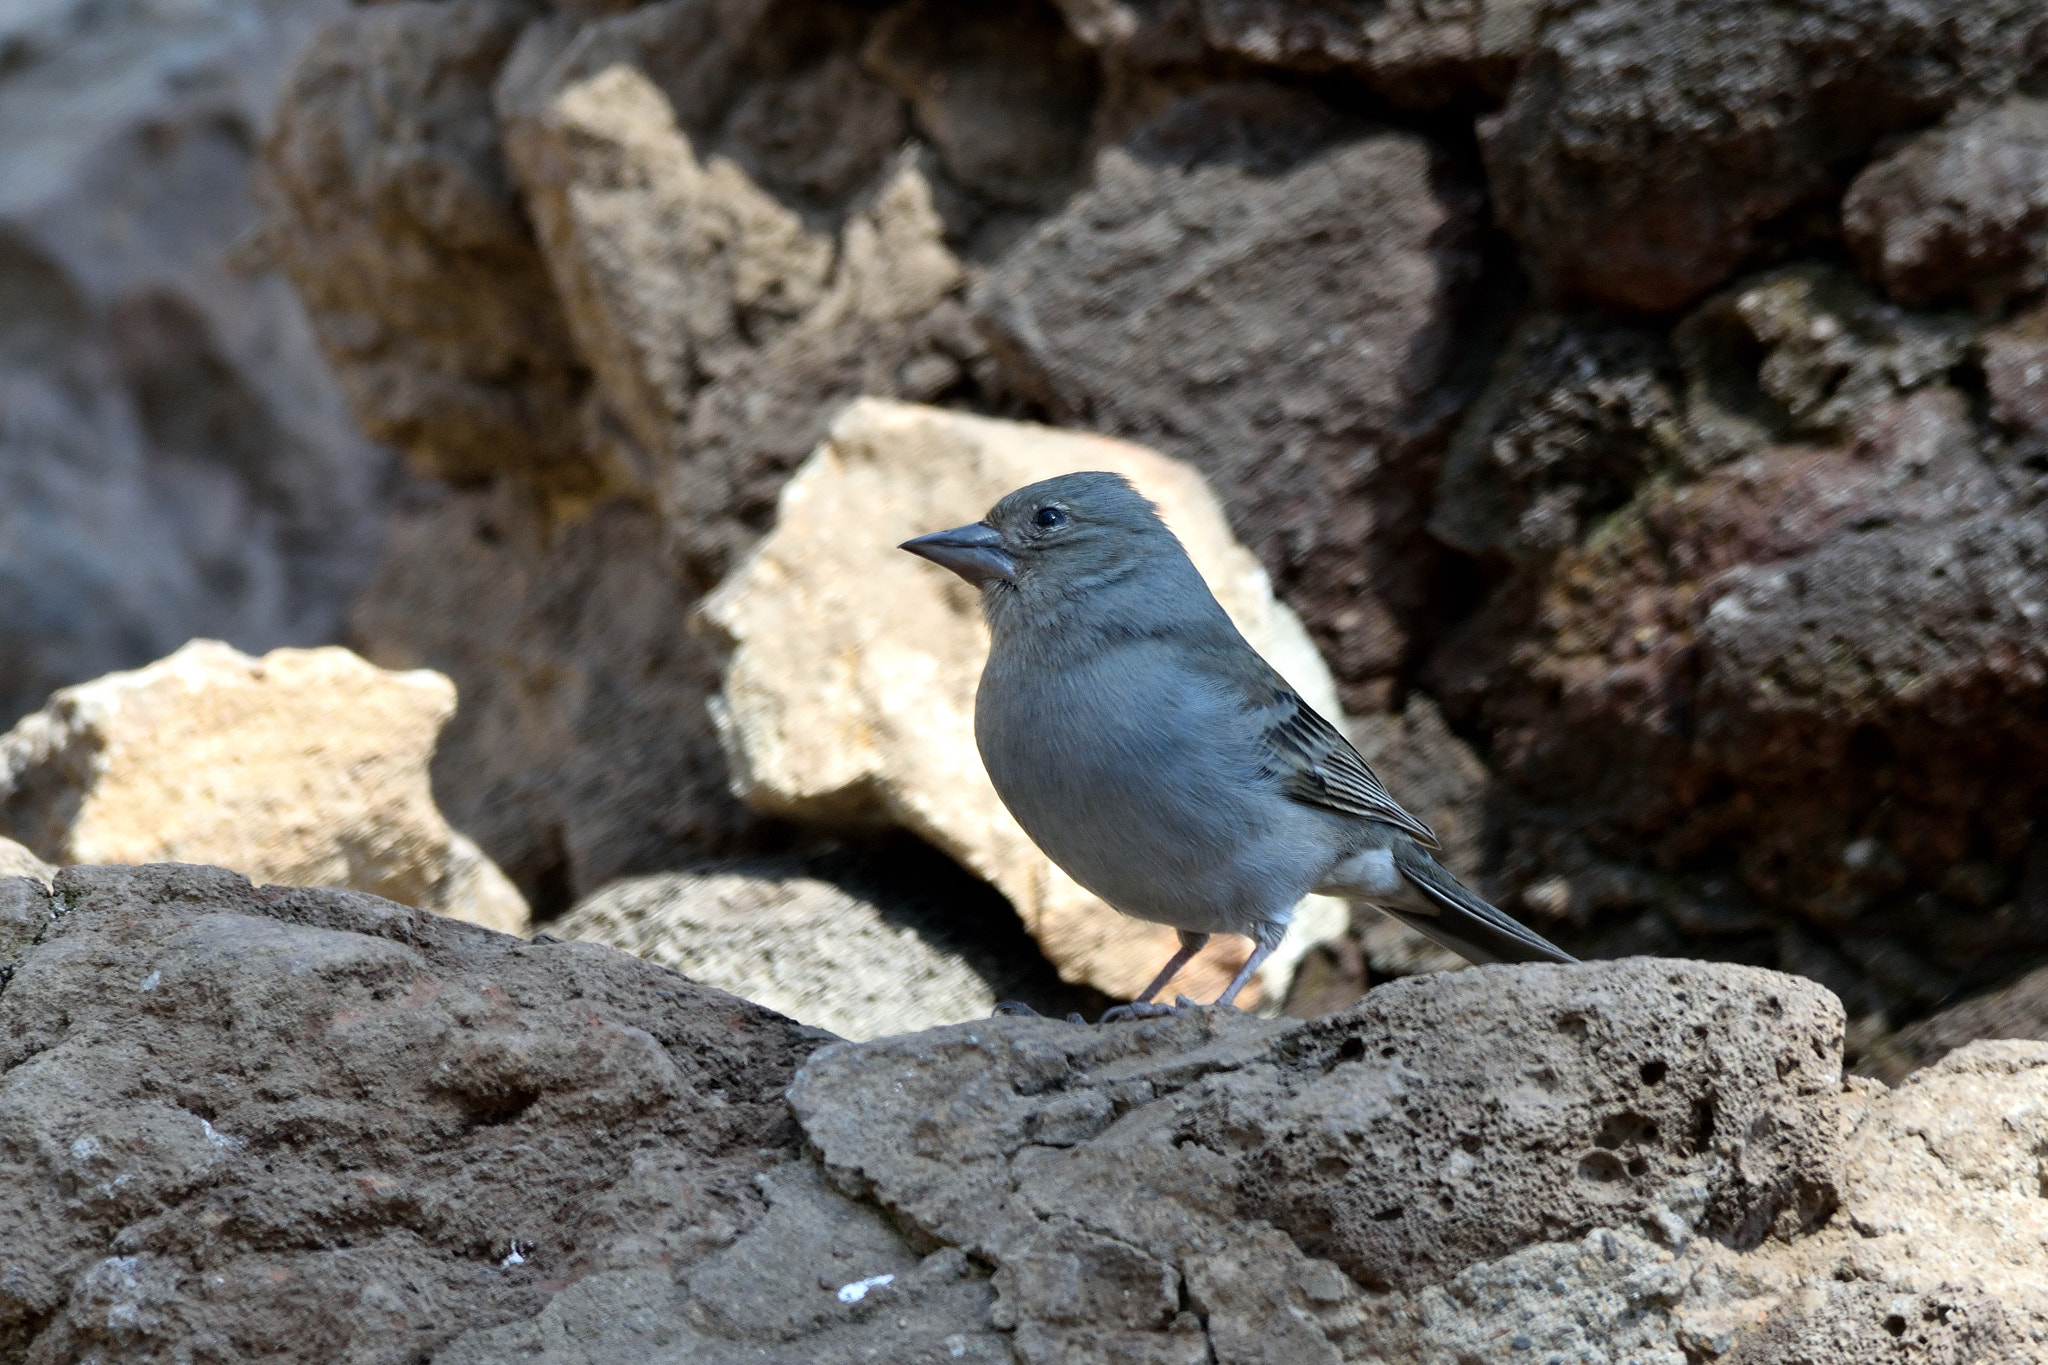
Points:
(1653, 391)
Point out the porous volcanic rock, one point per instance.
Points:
(1269, 290)
(1418, 53)
(1400, 1141)
(1652, 148)
(175, 460)
(306, 767)
(1782, 567)
(315, 1125)
(885, 735)
(1958, 213)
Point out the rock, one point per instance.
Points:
(1418, 54)
(885, 737)
(315, 1125)
(174, 459)
(1258, 285)
(304, 767)
(554, 1152)
(1579, 413)
(1732, 618)
(581, 752)
(1208, 1155)
(741, 244)
(16, 861)
(1959, 212)
(1005, 95)
(390, 207)
(1651, 148)
(2019, 1011)
(2015, 360)
(827, 944)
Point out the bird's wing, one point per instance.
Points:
(1317, 766)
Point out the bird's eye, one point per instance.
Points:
(1049, 517)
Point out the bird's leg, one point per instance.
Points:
(1264, 941)
(1142, 1007)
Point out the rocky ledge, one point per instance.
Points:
(300, 1124)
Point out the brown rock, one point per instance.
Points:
(2016, 376)
(1416, 53)
(304, 767)
(393, 214)
(1737, 626)
(1259, 286)
(581, 752)
(1651, 148)
(1003, 93)
(885, 737)
(316, 1125)
(1958, 213)
(559, 1154)
(740, 244)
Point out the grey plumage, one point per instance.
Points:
(1151, 753)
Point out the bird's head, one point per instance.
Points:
(1058, 536)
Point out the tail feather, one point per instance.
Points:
(1465, 923)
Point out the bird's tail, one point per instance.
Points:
(1463, 921)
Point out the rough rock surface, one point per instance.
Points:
(582, 751)
(174, 458)
(394, 217)
(1779, 566)
(885, 736)
(1418, 53)
(2018, 1011)
(314, 1125)
(1958, 213)
(1652, 148)
(304, 767)
(828, 942)
(1260, 286)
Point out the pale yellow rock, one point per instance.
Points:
(16, 861)
(849, 691)
(306, 767)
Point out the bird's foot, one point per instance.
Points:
(1146, 1009)
(1018, 1007)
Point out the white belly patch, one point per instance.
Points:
(1370, 875)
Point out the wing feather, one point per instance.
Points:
(1317, 766)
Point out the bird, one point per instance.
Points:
(1160, 761)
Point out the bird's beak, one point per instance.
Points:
(974, 552)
